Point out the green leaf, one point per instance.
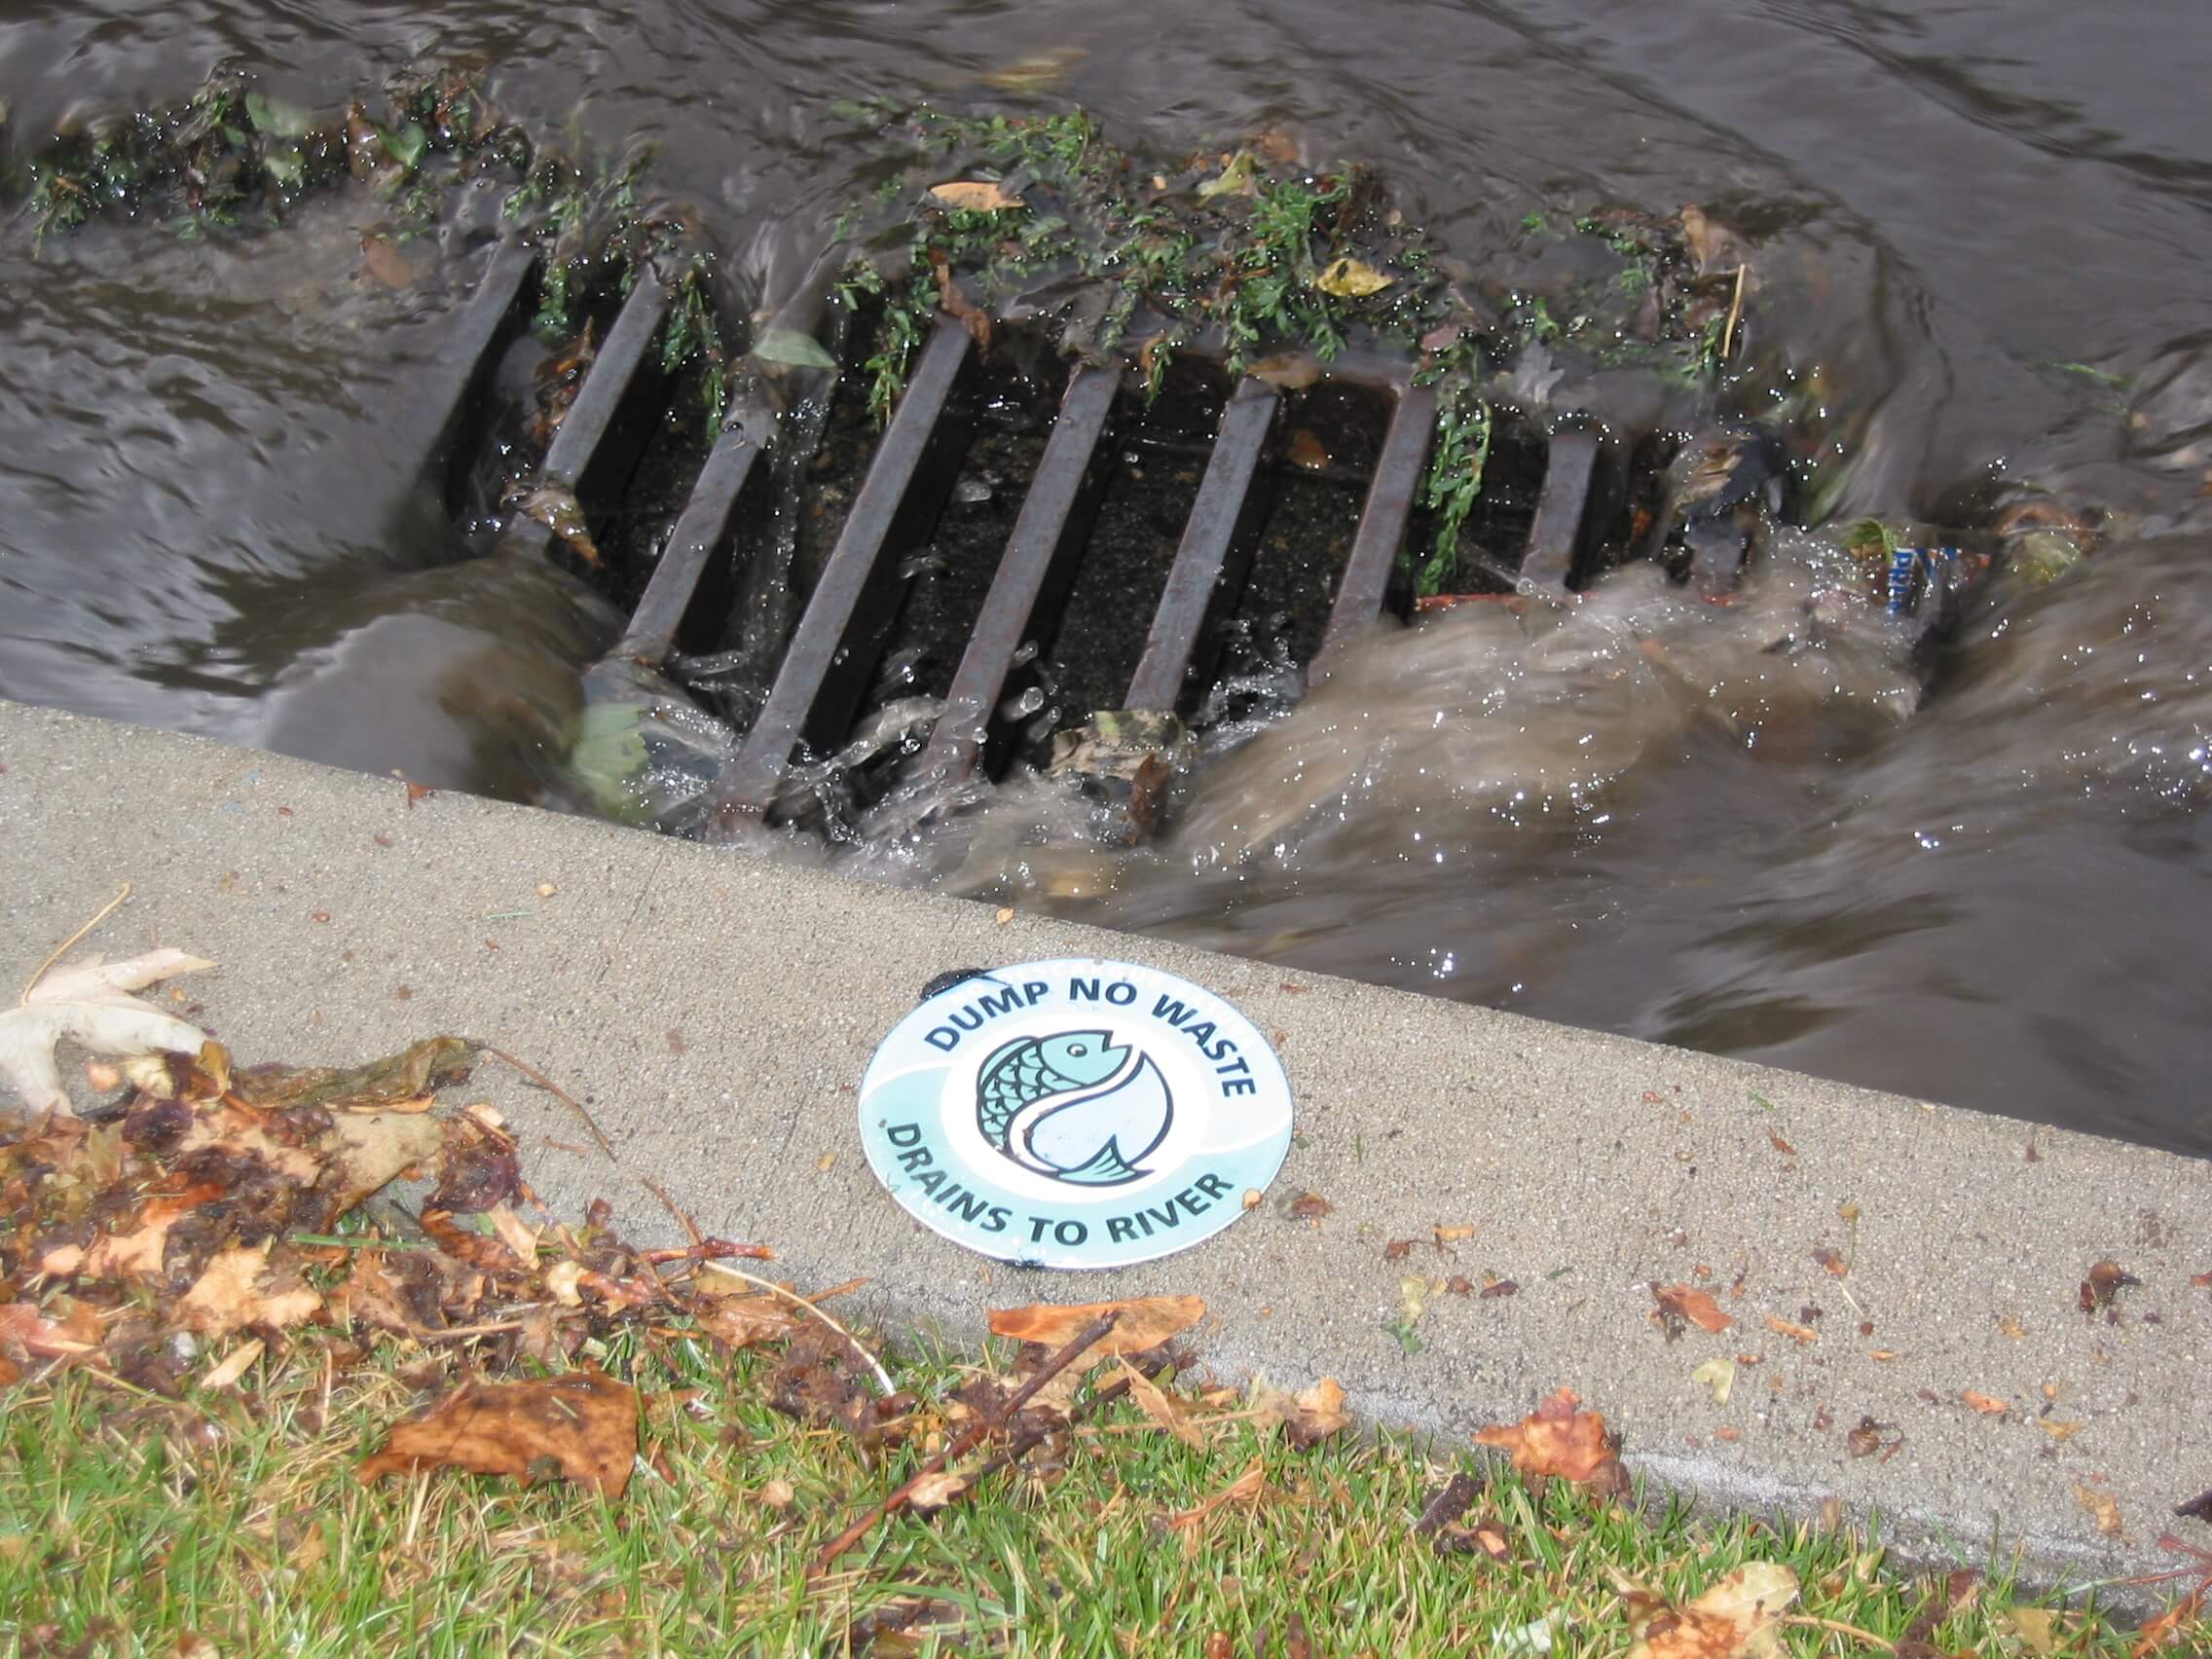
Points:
(1237, 179)
(406, 146)
(275, 117)
(791, 345)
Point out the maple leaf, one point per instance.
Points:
(1734, 1617)
(1557, 1438)
(91, 1003)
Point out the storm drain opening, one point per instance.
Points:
(1030, 561)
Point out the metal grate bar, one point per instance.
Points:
(1211, 540)
(1381, 524)
(1563, 514)
(491, 319)
(701, 529)
(856, 565)
(1037, 559)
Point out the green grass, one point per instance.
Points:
(129, 1522)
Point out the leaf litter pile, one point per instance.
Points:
(292, 1357)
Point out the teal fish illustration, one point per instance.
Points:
(1060, 1105)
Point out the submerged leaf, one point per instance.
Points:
(1351, 279)
(1236, 179)
(975, 196)
(791, 345)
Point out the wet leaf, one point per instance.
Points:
(138, 1251)
(26, 1330)
(1694, 1305)
(974, 196)
(2106, 1280)
(1351, 279)
(1287, 371)
(275, 117)
(385, 263)
(1718, 1374)
(1145, 1322)
(407, 145)
(1736, 1617)
(230, 1294)
(89, 1002)
(1035, 74)
(1558, 1440)
(791, 347)
(583, 1427)
(1308, 450)
(1236, 178)
(2102, 1506)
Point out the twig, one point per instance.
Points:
(458, 1332)
(668, 1203)
(553, 1089)
(965, 1442)
(709, 1250)
(1735, 315)
(882, 1375)
(106, 911)
(1840, 1628)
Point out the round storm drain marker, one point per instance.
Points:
(1075, 1112)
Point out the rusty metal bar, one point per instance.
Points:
(1212, 540)
(702, 528)
(857, 569)
(1037, 559)
(1381, 524)
(492, 317)
(1557, 537)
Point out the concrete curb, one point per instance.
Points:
(715, 1012)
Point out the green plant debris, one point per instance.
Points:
(1239, 252)
(232, 149)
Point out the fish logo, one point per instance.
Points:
(1075, 1106)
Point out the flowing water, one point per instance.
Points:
(1984, 226)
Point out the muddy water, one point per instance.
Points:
(1989, 223)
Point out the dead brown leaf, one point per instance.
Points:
(1308, 450)
(1244, 1489)
(974, 196)
(1145, 1322)
(24, 1329)
(1795, 1333)
(385, 263)
(230, 1294)
(1735, 1616)
(1558, 1440)
(1310, 1207)
(582, 1426)
(1308, 1416)
(1157, 1404)
(1987, 1404)
(934, 1491)
(139, 1251)
(1831, 1259)
(2102, 1506)
(2106, 1280)
(1690, 1303)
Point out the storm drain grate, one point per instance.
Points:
(1561, 512)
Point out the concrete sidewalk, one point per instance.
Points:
(715, 1014)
